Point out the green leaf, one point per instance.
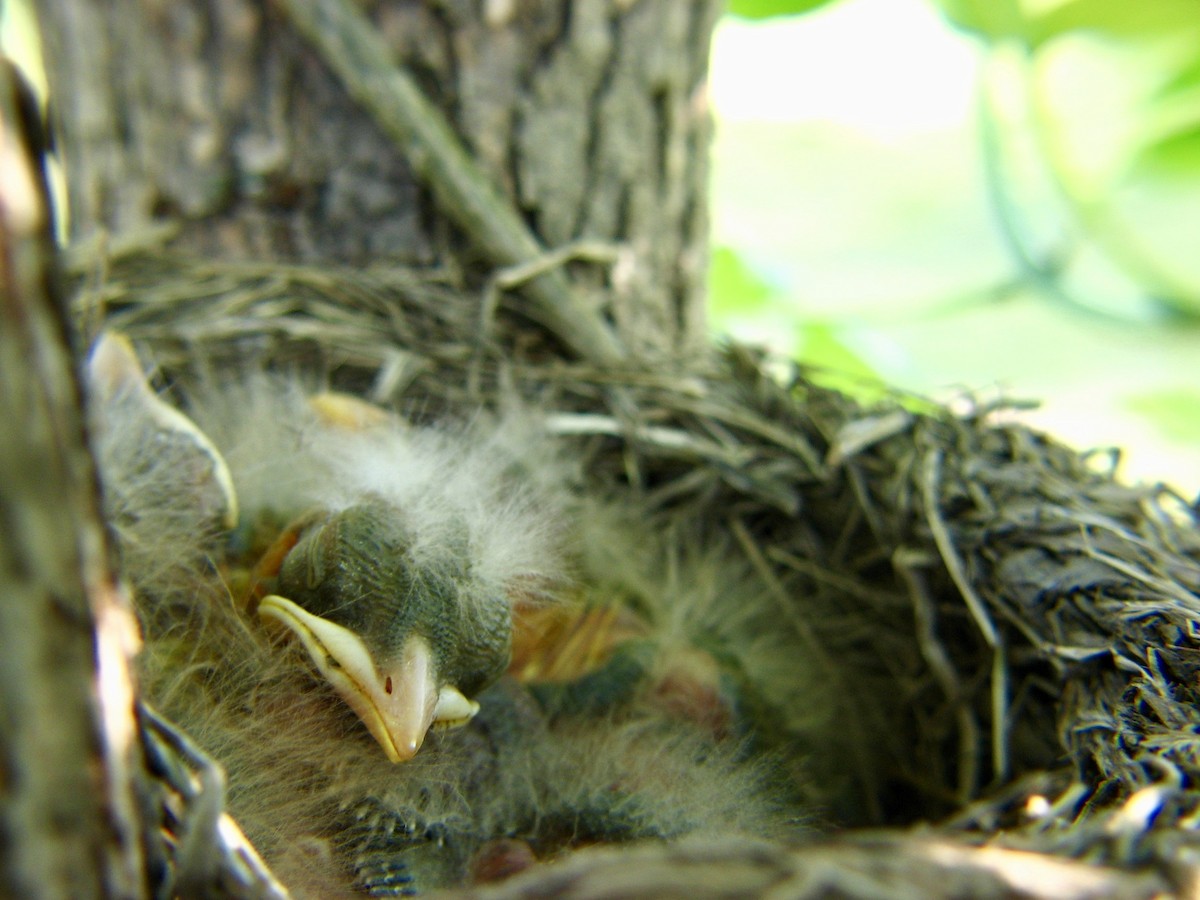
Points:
(1175, 155)
(734, 286)
(1116, 18)
(822, 344)
(1185, 81)
(824, 349)
(997, 20)
(1175, 412)
(994, 20)
(767, 9)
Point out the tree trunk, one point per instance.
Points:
(589, 119)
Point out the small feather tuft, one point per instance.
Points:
(168, 494)
(289, 455)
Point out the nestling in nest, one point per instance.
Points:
(926, 613)
(331, 596)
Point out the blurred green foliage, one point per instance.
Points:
(734, 287)
(1175, 155)
(1122, 172)
(1175, 411)
(736, 291)
(766, 9)
(1046, 237)
(1135, 209)
(996, 20)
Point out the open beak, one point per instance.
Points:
(397, 699)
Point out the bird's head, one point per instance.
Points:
(401, 632)
(396, 583)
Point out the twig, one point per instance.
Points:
(668, 440)
(941, 537)
(211, 852)
(816, 648)
(521, 274)
(870, 865)
(944, 673)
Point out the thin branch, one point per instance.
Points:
(357, 54)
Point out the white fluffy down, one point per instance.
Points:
(494, 475)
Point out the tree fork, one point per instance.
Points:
(588, 121)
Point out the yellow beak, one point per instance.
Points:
(398, 699)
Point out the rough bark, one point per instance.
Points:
(66, 823)
(589, 118)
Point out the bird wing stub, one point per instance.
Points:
(157, 437)
(398, 700)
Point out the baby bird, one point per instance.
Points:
(392, 562)
(390, 571)
(400, 643)
(150, 456)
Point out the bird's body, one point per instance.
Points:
(416, 543)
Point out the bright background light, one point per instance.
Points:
(848, 174)
(811, 68)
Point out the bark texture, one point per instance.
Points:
(590, 118)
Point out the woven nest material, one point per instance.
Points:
(1010, 636)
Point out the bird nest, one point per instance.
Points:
(1005, 639)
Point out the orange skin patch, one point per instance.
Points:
(560, 644)
(563, 643)
(266, 570)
